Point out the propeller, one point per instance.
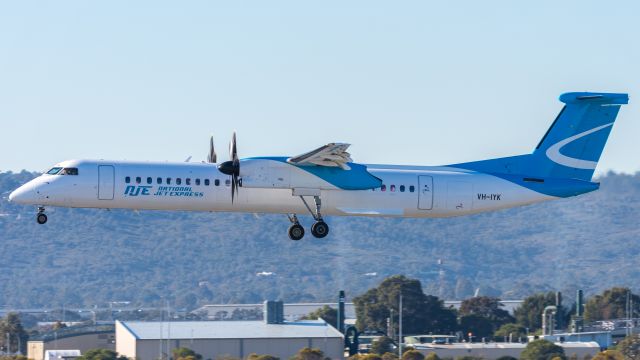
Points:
(212, 157)
(232, 167)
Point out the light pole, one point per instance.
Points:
(400, 328)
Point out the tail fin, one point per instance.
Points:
(573, 144)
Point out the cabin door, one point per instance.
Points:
(425, 192)
(106, 182)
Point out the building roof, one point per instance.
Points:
(152, 330)
(493, 345)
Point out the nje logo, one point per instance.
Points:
(137, 190)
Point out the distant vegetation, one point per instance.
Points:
(83, 257)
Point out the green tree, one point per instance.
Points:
(390, 356)
(12, 326)
(412, 355)
(630, 347)
(255, 356)
(382, 345)
(478, 325)
(609, 355)
(611, 304)
(309, 354)
(542, 350)
(421, 313)
(529, 314)
(516, 331)
(101, 354)
(488, 307)
(183, 353)
(326, 313)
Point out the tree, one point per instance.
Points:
(421, 313)
(382, 345)
(514, 330)
(101, 354)
(542, 350)
(432, 356)
(309, 354)
(609, 355)
(412, 355)
(488, 307)
(630, 347)
(479, 326)
(326, 313)
(12, 326)
(506, 357)
(389, 356)
(529, 314)
(611, 304)
(183, 353)
(255, 356)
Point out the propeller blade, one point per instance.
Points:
(232, 167)
(212, 157)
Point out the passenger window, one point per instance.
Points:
(178, 181)
(197, 182)
(159, 180)
(127, 179)
(393, 188)
(401, 188)
(217, 182)
(412, 188)
(227, 182)
(188, 181)
(383, 188)
(138, 180)
(206, 182)
(168, 181)
(149, 180)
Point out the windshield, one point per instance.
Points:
(54, 170)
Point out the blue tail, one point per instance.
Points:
(573, 144)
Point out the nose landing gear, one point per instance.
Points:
(41, 218)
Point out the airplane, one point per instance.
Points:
(326, 181)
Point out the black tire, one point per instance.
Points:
(296, 232)
(41, 218)
(320, 229)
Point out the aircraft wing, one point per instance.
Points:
(332, 155)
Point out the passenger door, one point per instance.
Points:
(106, 182)
(425, 192)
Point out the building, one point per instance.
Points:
(81, 338)
(491, 351)
(211, 339)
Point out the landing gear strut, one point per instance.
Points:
(41, 218)
(296, 231)
(320, 228)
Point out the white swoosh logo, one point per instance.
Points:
(553, 152)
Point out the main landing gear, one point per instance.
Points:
(41, 218)
(319, 229)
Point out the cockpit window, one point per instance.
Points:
(54, 170)
(69, 171)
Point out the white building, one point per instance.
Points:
(151, 340)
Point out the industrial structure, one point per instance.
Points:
(211, 339)
(80, 338)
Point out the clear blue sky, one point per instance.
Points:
(405, 82)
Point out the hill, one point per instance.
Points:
(86, 257)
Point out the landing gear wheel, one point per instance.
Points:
(296, 232)
(41, 218)
(320, 229)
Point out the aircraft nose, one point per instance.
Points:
(25, 194)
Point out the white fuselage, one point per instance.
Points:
(406, 192)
